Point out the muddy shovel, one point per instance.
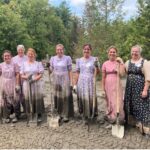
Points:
(52, 119)
(117, 129)
(94, 99)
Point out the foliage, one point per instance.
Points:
(36, 24)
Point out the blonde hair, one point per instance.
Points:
(112, 47)
(32, 50)
(60, 45)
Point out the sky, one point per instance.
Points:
(77, 7)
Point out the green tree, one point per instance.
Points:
(12, 29)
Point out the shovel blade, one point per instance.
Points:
(118, 130)
(53, 122)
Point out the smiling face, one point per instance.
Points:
(7, 57)
(112, 54)
(31, 55)
(86, 51)
(20, 52)
(135, 53)
(59, 51)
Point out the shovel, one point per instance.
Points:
(94, 98)
(117, 129)
(52, 119)
(31, 123)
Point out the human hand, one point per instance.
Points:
(119, 60)
(144, 94)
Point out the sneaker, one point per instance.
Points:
(65, 119)
(39, 119)
(138, 125)
(7, 120)
(14, 120)
(108, 126)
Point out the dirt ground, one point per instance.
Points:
(71, 135)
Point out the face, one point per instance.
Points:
(135, 53)
(20, 52)
(31, 55)
(59, 51)
(112, 54)
(7, 57)
(86, 51)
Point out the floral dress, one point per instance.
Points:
(33, 92)
(8, 97)
(20, 60)
(135, 105)
(85, 86)
(63, 100)
(109, 68)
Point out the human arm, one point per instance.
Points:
(146, 72)
(103, 80)
(121, 66)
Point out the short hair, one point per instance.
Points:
(6, 51)
(32, 50)
(137, 46)
(112, 47)
(60, 45)
(89, 45)
(20, 46)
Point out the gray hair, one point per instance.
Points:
(20, 46)
(138, 47)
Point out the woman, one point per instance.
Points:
(31, 72)
(109, 85)
(137, 100)
(19, 59)
(9, 73)
(61, 68)
(87, 68)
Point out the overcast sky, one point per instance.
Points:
(77, 6)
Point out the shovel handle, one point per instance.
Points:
(94, 92)
(117, 89)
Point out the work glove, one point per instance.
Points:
(31, 79)
(75, 89)
(96, 63)
(47, 65)
(17, 88)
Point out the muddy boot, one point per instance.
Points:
(39, 119)
(33, 121)
(14, 120)
(65, 119)
(7, 120)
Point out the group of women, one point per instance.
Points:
(21, 84)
